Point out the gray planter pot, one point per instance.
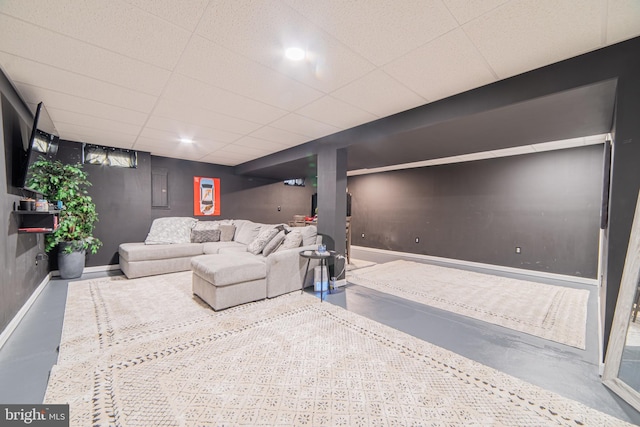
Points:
(70, 265)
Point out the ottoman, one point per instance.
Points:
(226, 280)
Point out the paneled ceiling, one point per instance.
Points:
(143, 74)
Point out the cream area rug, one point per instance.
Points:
(555, 313)
(146, 352)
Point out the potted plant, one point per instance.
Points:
(67, 183)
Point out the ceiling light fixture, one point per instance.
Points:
(295, 54)
(186, 140)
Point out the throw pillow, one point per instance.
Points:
(170, 230)
(207, 225)
(273, 244)
(246, 231)
(309, 235)
(258, 244)
(291, 241)
(204, 236)
(226, 232)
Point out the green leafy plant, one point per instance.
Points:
(57, 181)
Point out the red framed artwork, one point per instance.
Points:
(206, 196)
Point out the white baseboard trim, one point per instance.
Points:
(456, 262)
(95, 269)
(11, 327)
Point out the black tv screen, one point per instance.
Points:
(43, 143)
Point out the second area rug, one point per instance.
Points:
(555, 313)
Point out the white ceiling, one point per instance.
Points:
(142, 74)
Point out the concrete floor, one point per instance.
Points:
(29, 354)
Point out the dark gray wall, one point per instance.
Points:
(256, 199)
(20, 275)
(545, 203)
(123, 198)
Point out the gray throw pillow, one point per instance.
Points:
(273, 244)
(204, 236)
(258, 244)
(226, 232)
(291, 241)
(170, 230)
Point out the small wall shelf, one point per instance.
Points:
(37, 222)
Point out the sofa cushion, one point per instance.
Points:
(216, 247)
(227, 269)
(274, 243)
(261, 240)
(170, 230)
(227, 231)
(291, 241)
(309, 234)
(140, 252)
(202, 236)
(246, 231)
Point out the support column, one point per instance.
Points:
(332, 201)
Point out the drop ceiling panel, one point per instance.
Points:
(215, 70)
(304, 126)
(206, 61)
(91, 122)
(336, 113)
(282, 136)
(40, 45)
(198, 133)
(112, 25)
(623, 20)
(262, 31)
(212, 98)
(445, 66)
(169, 137)
(248, 152)
(63, 101)
(171, 148)
(465, 10)
(379, 30)
(263, 144)
(86, 134)
(108, 139)
(379, 94)
(521, 36)
(24, 71)
(185, 14)
(187, 113)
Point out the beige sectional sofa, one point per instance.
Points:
(173, 243)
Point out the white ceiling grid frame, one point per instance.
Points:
(261, 31)
(220, 100)
(173, 129)
(515, 39)
(66, 53)
(172, 67)
(379, 94)
(76, 104)
(111, 25)
(446, 65)
(379, 30)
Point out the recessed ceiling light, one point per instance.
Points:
(294, 53)
(186, 140)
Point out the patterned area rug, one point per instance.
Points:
(145, 352)
(552, 312)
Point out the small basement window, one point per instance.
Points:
(109, 156)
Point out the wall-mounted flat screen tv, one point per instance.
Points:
(43, 143)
